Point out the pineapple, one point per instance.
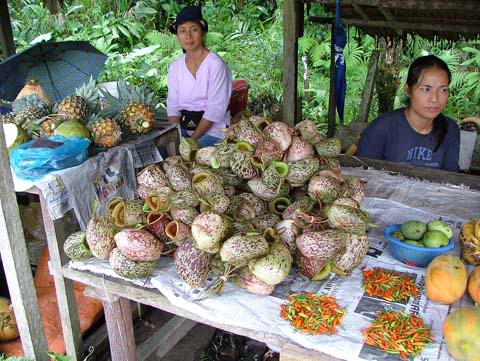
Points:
(8, 118)
(31, 100)
(29, 109)
(29, 115)
(74, 107)
(44, 126)
(134, 107)
(78, 106)
(49, 123)
(105, 132)
(137, 117)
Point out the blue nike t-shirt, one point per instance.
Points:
(390, 137)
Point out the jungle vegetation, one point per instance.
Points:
(248, 35)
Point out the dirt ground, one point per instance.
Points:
(202, 343)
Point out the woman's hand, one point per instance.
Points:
(174, 119)
(202, 128)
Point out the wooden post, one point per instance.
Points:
(369, 87)
(331, 99)
(67, 304)
(17, 265)
(290, 66)
(6, 34)
(118, 317)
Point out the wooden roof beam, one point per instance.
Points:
(360, 11)
(438, 27)
(465, 5)
(387, 13)
(6, 35)
(389, 16)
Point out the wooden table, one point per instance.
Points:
(116, 295)
(58, 230)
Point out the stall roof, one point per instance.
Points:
(447, 19)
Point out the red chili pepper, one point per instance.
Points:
(388, 285)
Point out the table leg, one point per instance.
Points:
(67, 304)
(118, 317)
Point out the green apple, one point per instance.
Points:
(437, 225)
(413, 230)
(435, 239)
(411, 242)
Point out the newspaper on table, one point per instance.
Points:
(108, 175)
(100, 178)
(238, 308)
(143, 149)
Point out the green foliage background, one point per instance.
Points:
(249, 36)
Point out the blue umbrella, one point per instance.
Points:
(339, 41)
(59, 67)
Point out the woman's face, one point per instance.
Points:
(190, 35)
(429, 96)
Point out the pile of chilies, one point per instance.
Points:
(388, 285)
(398, 333)
(313, 314)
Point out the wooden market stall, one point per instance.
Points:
(114, 293)
(142, 150)
(445, 19)
(222, 311)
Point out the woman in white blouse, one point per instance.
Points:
(199, 82)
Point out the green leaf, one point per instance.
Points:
(124, 31)
(146, 10)
(58, 357)
(134, 29)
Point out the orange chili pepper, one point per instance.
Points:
(388, 284)
(398, 333)
(312, 313)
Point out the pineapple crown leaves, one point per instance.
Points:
(89, 92)
(34, 127)
(126, 95)
(91, 120)
(28, 101)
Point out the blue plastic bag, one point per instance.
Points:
(32, 162)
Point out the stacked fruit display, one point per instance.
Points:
(446, 281)
(470, 239)
(267, 196)
(433, 234)
(79, 114)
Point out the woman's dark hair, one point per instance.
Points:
(416, 69)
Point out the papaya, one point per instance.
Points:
(461, 330)
(445, 279)
(474, 285)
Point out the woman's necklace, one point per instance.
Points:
(194, 62)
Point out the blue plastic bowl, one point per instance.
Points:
(412, 255)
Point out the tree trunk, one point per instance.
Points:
(387, 81)
(7, 44)
(53, 5)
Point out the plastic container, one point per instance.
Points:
(412, 255)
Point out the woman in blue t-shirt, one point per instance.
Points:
(419, 134)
